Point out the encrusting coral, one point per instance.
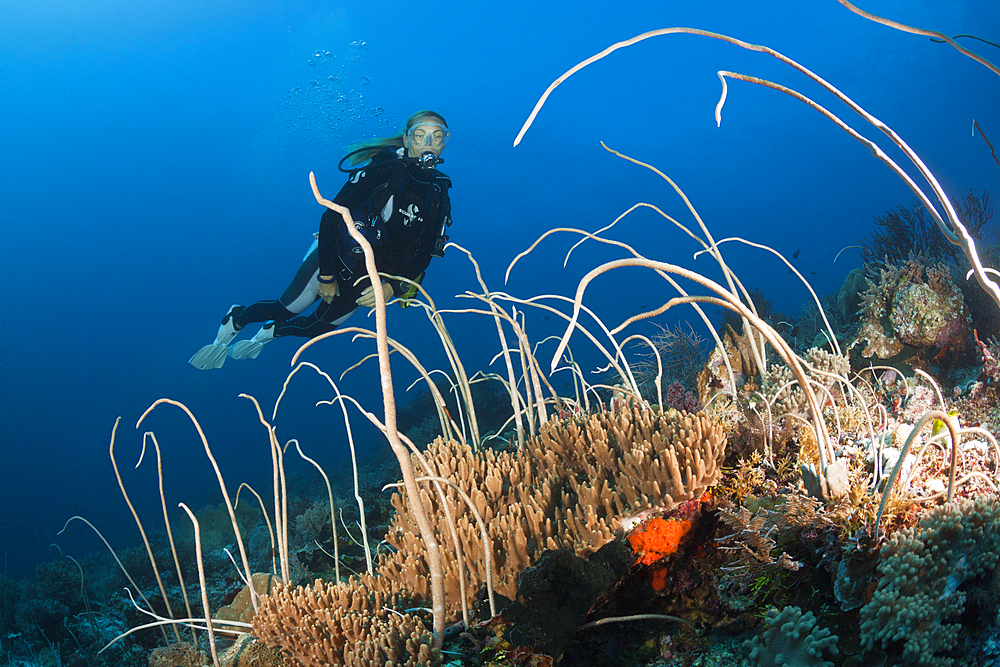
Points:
(248, 651)
(911, 304)
(178, 654)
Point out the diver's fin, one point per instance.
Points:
(227, 330)
(214, 355)
(208, 357)
(249, 349)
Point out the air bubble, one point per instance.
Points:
(311, 63)
(365, 80)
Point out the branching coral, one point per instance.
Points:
(916, 606)
(570, 488)
(792, 638)
(356, 623)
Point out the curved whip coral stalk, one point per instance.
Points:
(388, 402)
(926, 33)
(215, 466)
(949, 224)
(953, 430)
(726, 300)
(350, 443)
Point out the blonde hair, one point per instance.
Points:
(373, 146)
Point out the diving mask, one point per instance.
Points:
(424, 135)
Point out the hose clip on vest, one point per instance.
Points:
(442, 238)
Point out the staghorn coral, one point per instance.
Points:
(792, 638)
(355, 623)
(570, 488)
(918, 600)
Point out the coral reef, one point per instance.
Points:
(913, 304)
(610, 514)
(792, 638)
(358, 623)
(923, 569)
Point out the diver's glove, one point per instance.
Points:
(367, 298)
(328, 288)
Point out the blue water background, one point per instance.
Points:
(153, 171)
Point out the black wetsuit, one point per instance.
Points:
(402, 209)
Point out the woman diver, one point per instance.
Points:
(399, 202)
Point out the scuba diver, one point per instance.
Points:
(398, 201)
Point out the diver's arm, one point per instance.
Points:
(358, 187)
(329, 243)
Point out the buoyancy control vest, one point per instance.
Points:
(395, 214)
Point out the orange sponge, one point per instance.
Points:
(657, 538)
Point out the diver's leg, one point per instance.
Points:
(297, 297)
(326, 317)
(299, 294)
